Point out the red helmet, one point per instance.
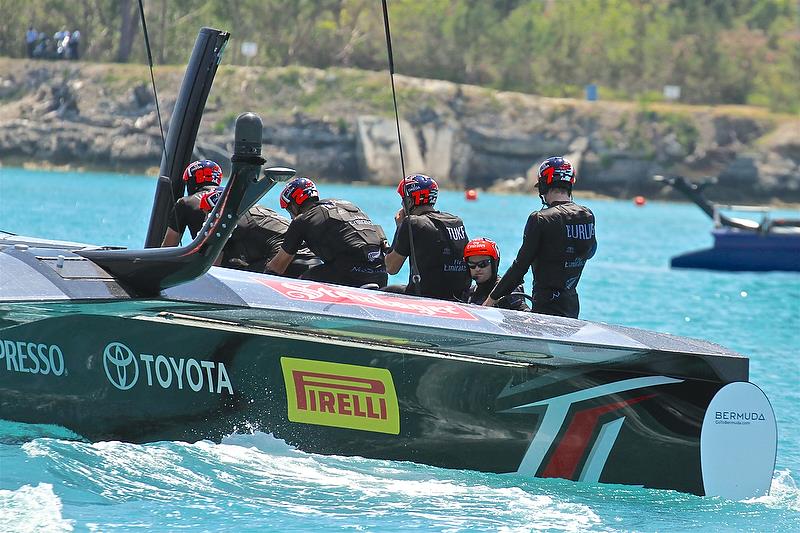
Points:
(482, 246)
(555, 172)
(201, 173)
(422, 189)
(298, 191)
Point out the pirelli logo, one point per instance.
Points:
(339, 395)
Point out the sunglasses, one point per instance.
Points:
(480, 264)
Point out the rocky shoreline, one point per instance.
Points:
(339, 125)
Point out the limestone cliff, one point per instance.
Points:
(339, 125)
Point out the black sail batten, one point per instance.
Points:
(183, 126)
(148, 271)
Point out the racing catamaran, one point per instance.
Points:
(740, 244)
(156, 344)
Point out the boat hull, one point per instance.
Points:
(169, 376)
(746, 251)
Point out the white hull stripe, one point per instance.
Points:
(602, 447)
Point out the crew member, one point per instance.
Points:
(258, 234)
(348, 242)
(201, 178)
(483, 259)
(557, 242)
(438, 239)
(257, 239)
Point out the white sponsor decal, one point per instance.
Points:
(32, 357)
(122, 368)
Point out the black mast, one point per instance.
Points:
(183, 126)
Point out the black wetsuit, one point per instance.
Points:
(350, 244)
(257, 238)
(188, 212)
(478, 293)
(558, 241)
(255, 241)
(439, 241)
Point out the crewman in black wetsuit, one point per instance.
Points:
(201, 178)
(557, 242)
(438, 238)
(350, 244)
(483, 259)
(258, 234)
(257, 239)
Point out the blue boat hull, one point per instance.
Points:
(746, 251)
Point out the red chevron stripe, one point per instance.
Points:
(572, 447)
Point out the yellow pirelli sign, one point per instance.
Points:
(339, 395)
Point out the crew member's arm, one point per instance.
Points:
(395, 259)
(174, 226)
(172, 238)
(280, 262)
(292, 240)
(394, 262)
(525, 256)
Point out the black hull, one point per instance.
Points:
(142, 376)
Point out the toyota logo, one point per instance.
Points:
(122, 370)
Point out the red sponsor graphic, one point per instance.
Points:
(344, 394)
(564, 461)
(318, 292)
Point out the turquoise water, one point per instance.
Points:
(256, 482)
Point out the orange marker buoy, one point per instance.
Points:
(471, 194)
(639, 200)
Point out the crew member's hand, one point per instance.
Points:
(489, 302)
(399, 216)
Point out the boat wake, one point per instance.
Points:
(255, 480)
(32, 508)
(783, 493)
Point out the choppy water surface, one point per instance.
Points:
(256, 482)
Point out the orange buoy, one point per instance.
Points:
(471, 194)
(639, 200)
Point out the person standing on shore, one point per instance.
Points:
(557, 242)
(30, 40)
(74, 45)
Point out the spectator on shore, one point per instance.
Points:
(31, 36)
(41, 49)
(74, 43)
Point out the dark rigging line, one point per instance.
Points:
(415, 277)
(152, 76)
